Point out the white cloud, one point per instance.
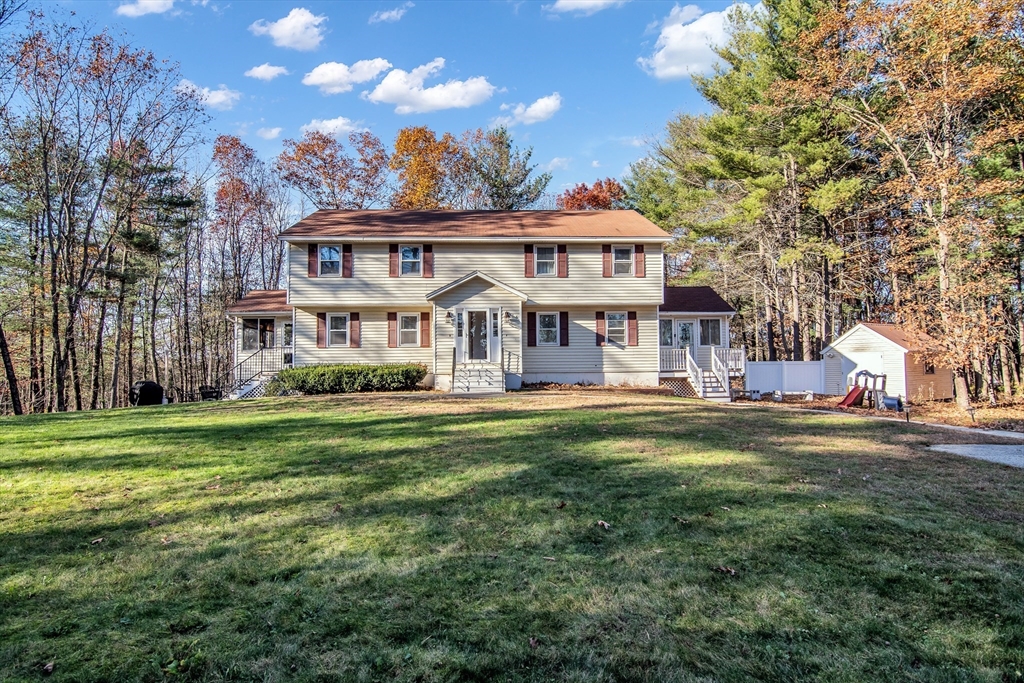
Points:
(139, 8)
(391, 14)
(269, 133)
(223, 98)
(300, 30)
(334, 77)
(336, 127)
(405, 90)
(595, 164)
(583, 7)
(266, 72)
(684, 46)
(557, 164)
(541, 110)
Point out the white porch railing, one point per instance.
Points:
(696, 375)
(674, 359)
(735, 360)
(721, 371)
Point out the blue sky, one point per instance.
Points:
(584, 82)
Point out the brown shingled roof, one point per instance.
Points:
(902, 338)
(262, 301)
(609, 225)
(694, 300)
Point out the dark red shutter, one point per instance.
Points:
(528, 259)
(639, 261)
(632, 337)
(606, 260)
(531, 328)
(563, 261)
(392, 260)
(346, 260)
(428, 261)
(355, 330)
(392, 330)
(425, 329)
(321, 330)
(313, 268)
(563, 328)
(600, 328)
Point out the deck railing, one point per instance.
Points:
(733, 359)
(266, 360)
(696, 375)
(674, 359)
(721, 371)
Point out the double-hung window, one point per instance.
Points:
(330, 260)
(547, 329)
(622, 260)
(710, 332)
(615, 328)
(337, 329)
(412, 260)
(409, 329)
(545, 259)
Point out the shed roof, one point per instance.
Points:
(894, 334)
(262, 301)
(694, 300)
(455, 225)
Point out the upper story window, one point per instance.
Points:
(330, 260)
(411, 259)
(409, 329)
(337, 329)
(711, 332)
(929, 368)
(545, 260)
(547, 329)
(622, 260)
(615, 328)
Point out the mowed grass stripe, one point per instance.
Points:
(419, 538)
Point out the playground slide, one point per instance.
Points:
(854, 398)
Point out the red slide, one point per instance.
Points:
(854, 398)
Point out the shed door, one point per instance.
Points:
(863, 360)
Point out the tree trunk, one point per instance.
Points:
(115, 369)
(12, 377)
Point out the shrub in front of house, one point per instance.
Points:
(347, 379)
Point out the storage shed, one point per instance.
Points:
(888, 350)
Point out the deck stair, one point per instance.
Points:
(254, 387)
(478, 378)
(713, 389)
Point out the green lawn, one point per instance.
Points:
(419, 538)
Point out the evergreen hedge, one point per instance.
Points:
(346, 379)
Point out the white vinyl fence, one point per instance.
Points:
(786, 376)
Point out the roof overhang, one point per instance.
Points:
(429, 239)
(475, 275)
(257, 314)
(696, 314)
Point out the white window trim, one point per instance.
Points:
(417, 328)
(554, 261)
(320, 261)
(625, 328)
(348, 330)
(558, 328)
(632, 260)
(700, 335)
(402, 261)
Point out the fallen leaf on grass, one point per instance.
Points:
(550, 559)
(709, 513)
(534, 643)
(726, 570)
(561, 505)
(48, 669)
(213, 488)
(822, 505)
(604, 525)
(680, 519)
(165, 540)
(96, 540)
(337, 507)
(726, 508)
(748, 447)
